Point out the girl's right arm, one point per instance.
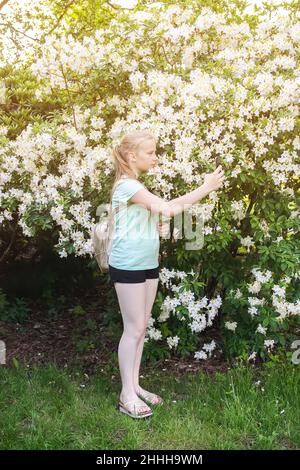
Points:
(156, 205)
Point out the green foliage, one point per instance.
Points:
(54, 304)
(16, 311)
(85, 336)
(246, 339)
(78, 310)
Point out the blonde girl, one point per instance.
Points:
(134, 257)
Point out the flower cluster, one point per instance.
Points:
(269, 309)
(195, 314)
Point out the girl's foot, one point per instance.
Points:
(135, 404)
(150, 397)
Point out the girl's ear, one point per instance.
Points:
(132, 156)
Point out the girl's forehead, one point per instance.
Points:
(148, 145)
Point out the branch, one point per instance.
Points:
(8, 25)
(115, 7)
(61, 16)
(235, 244)
(10, 243)
(118, 7)
(70, 99)
(162, 46)
(3, 3)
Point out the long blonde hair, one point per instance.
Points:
(130, 142)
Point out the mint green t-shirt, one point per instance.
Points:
(135, 242)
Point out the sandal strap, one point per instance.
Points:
(150, 395)
(136, 405)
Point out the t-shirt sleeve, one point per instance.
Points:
(126, 190)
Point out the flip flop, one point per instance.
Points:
(151, 398)
(143, 414)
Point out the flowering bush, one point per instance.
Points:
(258, 317)
(219, 81)
(180, 313)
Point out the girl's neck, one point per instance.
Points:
(130, 177)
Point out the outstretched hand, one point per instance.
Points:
(215, 180)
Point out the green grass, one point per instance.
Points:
(47, 408)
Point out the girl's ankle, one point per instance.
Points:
(128, 395)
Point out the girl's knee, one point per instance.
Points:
(136, 333)
(147, 320)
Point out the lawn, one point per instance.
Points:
(49, 407)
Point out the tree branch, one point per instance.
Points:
(3, 3)
(61, 16)
(8, 25)
(70, 99)
(234, 247)
(10, 243)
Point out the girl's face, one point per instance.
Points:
(145, 158)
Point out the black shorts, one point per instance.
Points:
(125, 275)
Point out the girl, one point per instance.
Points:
(133, 261)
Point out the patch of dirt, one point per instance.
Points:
(41, 340)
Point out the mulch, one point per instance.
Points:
(41, 340)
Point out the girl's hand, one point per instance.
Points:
(163, 228)
(215, 180)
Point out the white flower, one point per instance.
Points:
(253, 311)
(210, 346)
(296, 143)
(252, 356)
(188, 57)
(136, 78)
(238, 294)
(172, 342)
(238, 210)
(248, 242)
(153, 333)
(198, 324)
(279, 291)
(261, 276)
(255, 301)
(63, 253)
(255, 287)
(269, 344)
(200, 355)
(231, 325)
(261, 329)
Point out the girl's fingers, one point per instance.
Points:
(219, 170)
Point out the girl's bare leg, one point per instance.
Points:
(151, 290)
(131, 298)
